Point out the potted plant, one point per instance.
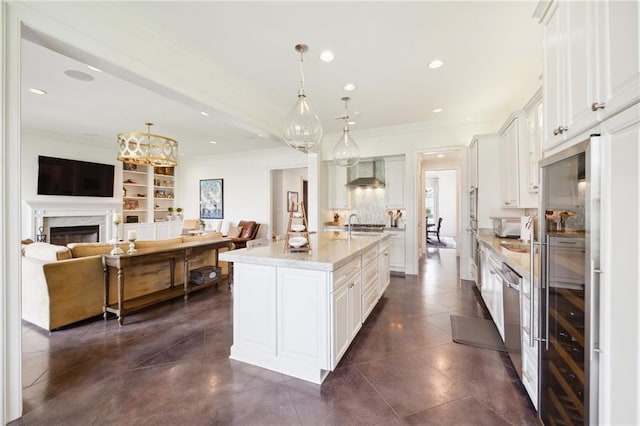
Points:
(202, 224)
(179, 213)
(170, 213)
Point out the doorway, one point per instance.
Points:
(440, 199)
(285, 183)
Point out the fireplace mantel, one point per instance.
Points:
(38, 210)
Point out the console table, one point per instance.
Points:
(171, 254)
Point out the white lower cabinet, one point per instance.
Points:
(347, 308)
(383, 268)
(396, 251)
(369, 282)
(153, 231)
(491, 291)
(528, 330)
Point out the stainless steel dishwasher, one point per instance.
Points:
(511, 282)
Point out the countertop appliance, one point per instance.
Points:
(506, 227)
(569, 285)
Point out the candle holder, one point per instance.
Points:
(132, 246)
(116, 250)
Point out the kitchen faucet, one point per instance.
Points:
(349, 223)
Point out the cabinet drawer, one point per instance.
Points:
(370, 275)
(370, 255)
(342, 274)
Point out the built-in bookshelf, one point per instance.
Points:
(147, 193)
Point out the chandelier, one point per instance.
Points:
(302, 129)
(346, 153)
(147, 149)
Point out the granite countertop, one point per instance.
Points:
(346, 228)
(329, 251)
(519, 262)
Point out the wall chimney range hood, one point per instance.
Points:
(366, 174)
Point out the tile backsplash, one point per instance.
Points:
(369, 205)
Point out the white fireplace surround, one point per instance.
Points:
(46, 214)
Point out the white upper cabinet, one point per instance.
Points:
(473, 164)
(591, 65)
(618, 55)
(509, 166)
(394, 183)
(534, 142)
(514, 164)
(338, 195)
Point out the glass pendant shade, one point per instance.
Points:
(346, 153)
(302, 129)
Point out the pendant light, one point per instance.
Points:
(302, 129)
(147, 149)
(346, 153)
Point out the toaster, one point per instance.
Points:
(506, 227)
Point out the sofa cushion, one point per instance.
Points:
(46, 251)
(89, 249)
(234, 231)
(158, 243)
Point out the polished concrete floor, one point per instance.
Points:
(169, 365)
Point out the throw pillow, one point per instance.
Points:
(45, 251)
(234, 231)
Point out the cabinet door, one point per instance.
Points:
(534, 142)
(509, 166)
(473, 165)
(341, 325)
(618, 55)
(553, 78)
(396, 253)
(338, 195)
(355, 304)
(383, 270)
(394, 184)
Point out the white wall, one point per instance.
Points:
(447, 199)
(247, 184)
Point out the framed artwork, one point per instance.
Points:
(292, 201)
(211, 199)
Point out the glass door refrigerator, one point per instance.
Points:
(568, 277)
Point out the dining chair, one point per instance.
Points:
(436, 231)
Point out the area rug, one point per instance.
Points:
(445, 242)
(478, 332)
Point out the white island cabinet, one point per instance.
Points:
(297, 313)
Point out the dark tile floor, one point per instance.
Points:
(169, 365)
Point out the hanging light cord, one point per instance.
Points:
(301, 73)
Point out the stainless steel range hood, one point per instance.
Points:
(366, 174)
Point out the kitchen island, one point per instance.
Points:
(297, 313)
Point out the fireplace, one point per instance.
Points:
(62, 235)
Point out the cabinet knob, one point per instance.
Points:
(560, 130)
(597, 105)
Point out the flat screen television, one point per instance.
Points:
(59, 176)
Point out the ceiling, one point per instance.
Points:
(491, 51)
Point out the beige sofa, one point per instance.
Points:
(62, 285)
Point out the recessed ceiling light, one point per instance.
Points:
(213, 142)
(204, 113)
(349, 87)
(357, 113)
(436, 63)
(260, 135)
(326, 56)
(351, 123)
(38, 91)
(79, 75)
(94, 68)
(440, 155)
(437, 110)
